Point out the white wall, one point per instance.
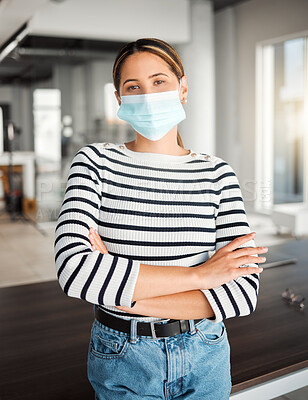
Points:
(254, 21)
(120, 20)
(198, 130)
(227, 140)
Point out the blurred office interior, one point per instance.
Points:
(246, 63)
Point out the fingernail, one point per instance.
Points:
(261, 269)
(253, 233)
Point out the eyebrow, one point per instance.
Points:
(151, 76)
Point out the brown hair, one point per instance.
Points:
(157, 47)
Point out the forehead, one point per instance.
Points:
(143, 64)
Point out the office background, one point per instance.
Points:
(246, 63)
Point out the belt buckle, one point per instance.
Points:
(153, 328)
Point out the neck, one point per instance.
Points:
(166, 145)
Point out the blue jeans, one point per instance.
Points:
(194, 365)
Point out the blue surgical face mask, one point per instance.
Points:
(152, 114)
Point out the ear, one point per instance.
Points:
(184, 87)
(117, 97)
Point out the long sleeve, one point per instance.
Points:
(98, 278)
(239, 296)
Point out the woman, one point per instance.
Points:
(133, 215)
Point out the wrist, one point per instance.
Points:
(195, 278)
(202, 277)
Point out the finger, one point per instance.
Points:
(91, 238)
(248, 271)
(90, 234)
(96, 241)
(99, 248)
(235, 243)
(246, 251)
(93, 246)
(99, 243)
(249, 260)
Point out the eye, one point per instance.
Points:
(133, 87)
(158, 82)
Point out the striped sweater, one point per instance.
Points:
(148, 208)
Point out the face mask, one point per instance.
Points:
(152, 114)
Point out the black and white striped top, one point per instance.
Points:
(148, 208)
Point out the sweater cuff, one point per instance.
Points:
(121, 284)
(215, 304)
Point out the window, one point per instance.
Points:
(281, 118)
(47, 124)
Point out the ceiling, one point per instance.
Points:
(220, 4)
(13, 14)
(34, 57)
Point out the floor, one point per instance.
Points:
(300, 394)
(27, 254)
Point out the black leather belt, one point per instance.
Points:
(171, 328)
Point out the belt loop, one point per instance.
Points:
(133, 330)
(192, 329)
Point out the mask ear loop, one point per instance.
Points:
(184, 100)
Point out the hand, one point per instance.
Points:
(96, 241)
(224, 265)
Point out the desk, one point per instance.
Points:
(27, 160)
(44, 336)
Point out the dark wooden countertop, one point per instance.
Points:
(272, 341)
(44, 336)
